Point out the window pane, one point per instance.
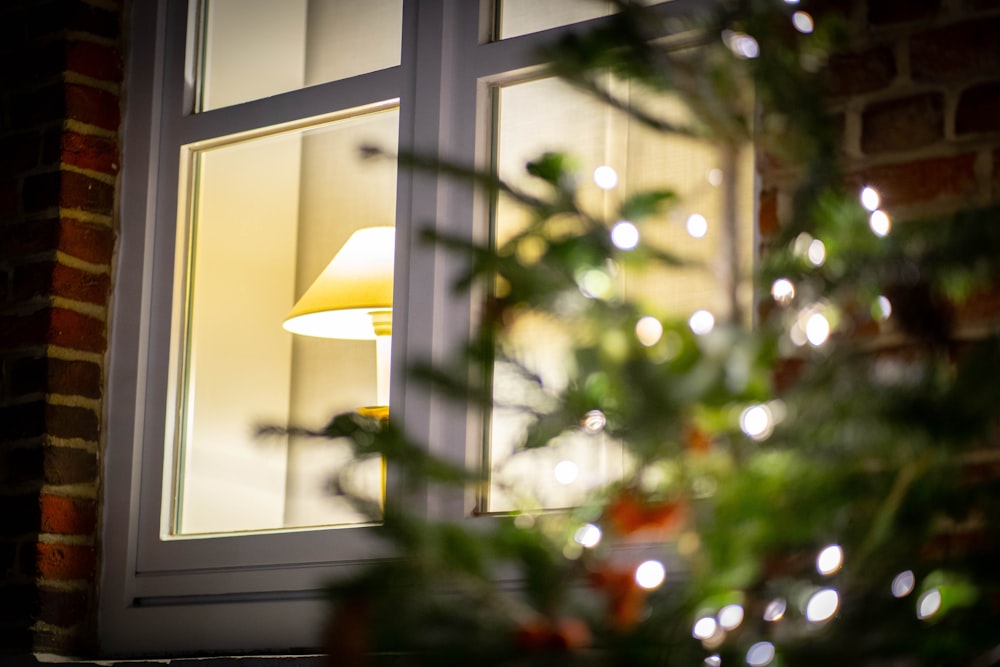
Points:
(520, 17)
(257, 48)
(267, 215)
(548, 115)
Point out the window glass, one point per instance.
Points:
(548, 115)
(266, 216)
(257, 48)
(520, 17)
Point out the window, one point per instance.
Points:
(241, 182)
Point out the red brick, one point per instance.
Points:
(84, 240)
(856, 73)
(94, 60)
(63, 608)
(90, 152)
(92, 106)
(74, 378)
(978, 109)
(67, 421)
(67, 516)
(76, 331)
(89, 194)
(956, 50)
(884, 12)
(65, 561)
(920, 181)
(79, 285)
(903, 124)
(69, 465)
(767, 212)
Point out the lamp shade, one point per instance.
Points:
(355, 284)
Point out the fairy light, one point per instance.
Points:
(903, 584)
(803, 22)
(817, 329)
(594, 421)
(701, 322)
(730, 616)
(696, 225)
(741, 44)
(775, 610)
(830, 559)
(650, 574)
(625, 235)
(605, 177)
(929, 604)
(760, 654)
(783, 291)
(822, 605)
(648, 330)
(757, 421)
(882, 308)
(714, 660)
(587, 536)
(704, 628)
(870, 198)
(879, 223)
(816, 252)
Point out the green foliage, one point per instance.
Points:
(876, 443)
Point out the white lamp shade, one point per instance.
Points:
(356, 283)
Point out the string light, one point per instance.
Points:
(879, 223)
(816, 252)
(830, 559)
(650, 574)
(822, 605)
(757, 422)
(741, 44)
(775, 610)
(870, 198)
(730, 616)
(929, 604)
(587, 535)
(713, 660)
(903, 584)
(803, 22)
(566, 472)
(648, 330)
(701, 322)
(760, 654)
(882, 308)
(594, 421)
(696, 225)
(605, 177)
(817, 329)
(625, 235)
(705, 628)
(783, 291)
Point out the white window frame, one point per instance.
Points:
(263, 592)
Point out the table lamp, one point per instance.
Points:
(352, 299)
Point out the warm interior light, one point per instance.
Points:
(352, 298)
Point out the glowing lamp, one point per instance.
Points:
(352, 298)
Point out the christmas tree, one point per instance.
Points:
(804, 479)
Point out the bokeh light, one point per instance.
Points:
(730, 616)
(605, 177)
(757, 421)
(625, 235)
(648, 330)
(903, 584)
(650, 574)
(566, 472)
(701, 322)
(870, 198)
(882, 308)
(696, 225)
(822, 605)
(929, 604)
(816, 252)
(715, 176)
(741, 44)
(775, 610)
(830, 559)
(595, 284)
(714, 660)
(879, 223)
(704, 628)
(587, 535)
(760, 654)
(594, 421)
(783, 291)
(817, 329)
(803, 22)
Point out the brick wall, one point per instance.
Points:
(59, 163)
(918, 97)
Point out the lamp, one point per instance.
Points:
(352, 298)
